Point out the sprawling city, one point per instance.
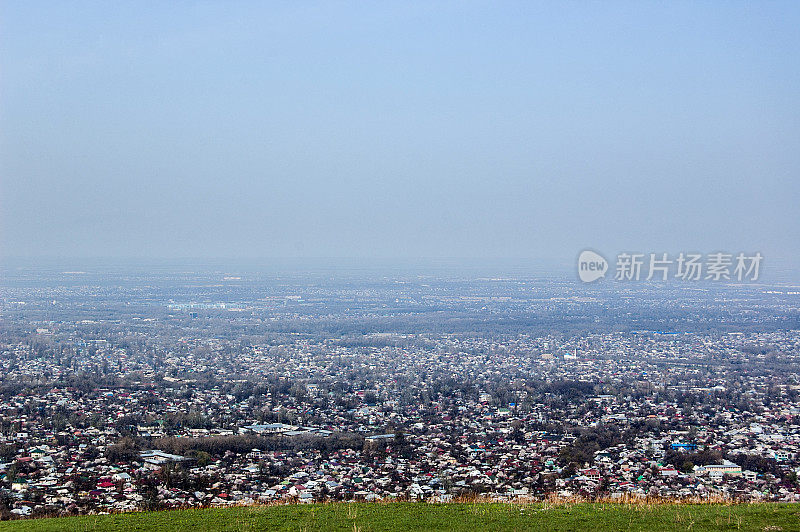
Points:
(399, 266)
(142, 389)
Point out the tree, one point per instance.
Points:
(125, 450)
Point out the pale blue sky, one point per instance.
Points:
(380, 129)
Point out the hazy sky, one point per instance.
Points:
(378, 129)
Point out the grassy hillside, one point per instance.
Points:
(472, 517)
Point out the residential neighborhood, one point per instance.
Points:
(171, 405)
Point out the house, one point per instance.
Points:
(780, 455)
(270, 428)
(158, 458)
(717, 471)
(380, 437)
(37, 453)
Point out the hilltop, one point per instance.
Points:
(456, 516)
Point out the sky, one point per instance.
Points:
(490, 130)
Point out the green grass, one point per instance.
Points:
(472, 517)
